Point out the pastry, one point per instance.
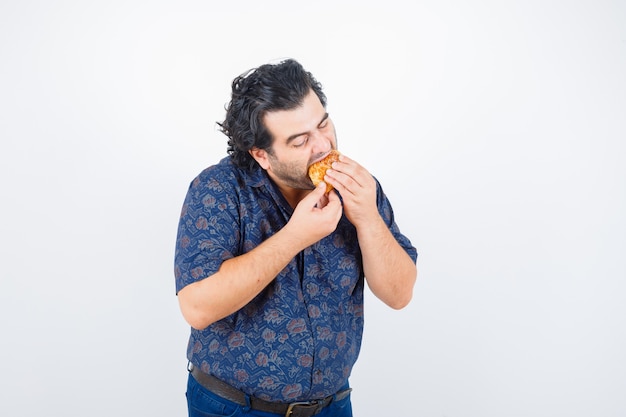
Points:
(318, 169)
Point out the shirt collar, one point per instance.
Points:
(258, 178)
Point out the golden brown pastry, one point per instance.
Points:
(318, 169)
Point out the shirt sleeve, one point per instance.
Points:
(208, 230)
(386, 211)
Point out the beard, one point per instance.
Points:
(291, 174)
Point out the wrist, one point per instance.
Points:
(372, 226)
(292, 238)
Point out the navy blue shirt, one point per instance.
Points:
(299, 338)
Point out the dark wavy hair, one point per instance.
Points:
(270, 87)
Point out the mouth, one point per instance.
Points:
(320, 158)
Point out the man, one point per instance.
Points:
(270, 270)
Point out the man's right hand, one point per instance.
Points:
(316, 216)
(241, 278)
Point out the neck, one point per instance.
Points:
(292, 195)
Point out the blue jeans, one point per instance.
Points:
(203, 403)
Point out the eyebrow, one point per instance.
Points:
(296, 135)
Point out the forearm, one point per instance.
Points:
(389, 270)
(243, 277)
(238, 280)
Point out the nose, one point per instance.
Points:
(321, 144)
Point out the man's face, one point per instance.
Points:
(301, 136)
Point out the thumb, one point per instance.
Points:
(319, 191)
(316, 195)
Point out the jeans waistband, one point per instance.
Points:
(296, 409)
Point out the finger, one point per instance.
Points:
(348, 169)
(316, 195)
(323, 201)
(341, 181)
(334, 203)
(344, 158)
(346, 164)
(333, 196)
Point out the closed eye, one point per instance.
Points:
(301, 142)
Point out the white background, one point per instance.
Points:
(498, 131)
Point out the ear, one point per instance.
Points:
(260, 155)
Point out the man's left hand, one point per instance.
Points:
(357, 188)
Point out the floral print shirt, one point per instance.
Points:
(299, 338)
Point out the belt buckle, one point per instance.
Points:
(297, 404)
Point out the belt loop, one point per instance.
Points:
(248, 405)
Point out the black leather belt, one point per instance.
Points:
(230, 393)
